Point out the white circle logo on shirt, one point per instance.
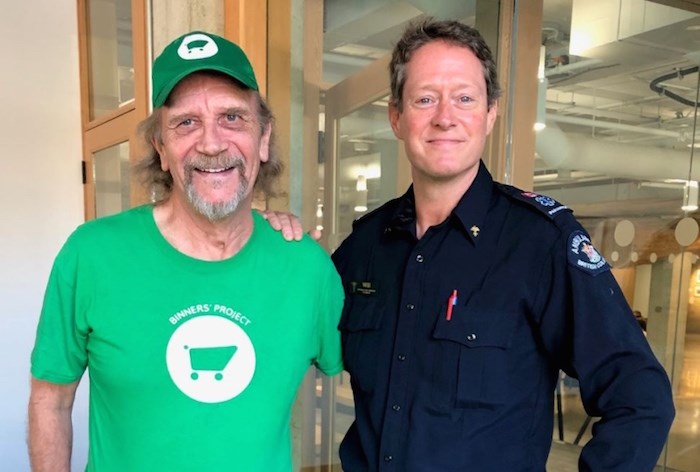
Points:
(210, 359)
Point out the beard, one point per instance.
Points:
(215, 210)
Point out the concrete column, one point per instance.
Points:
(171, 19)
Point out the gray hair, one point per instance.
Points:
(160, 182)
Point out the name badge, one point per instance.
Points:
(363, 288)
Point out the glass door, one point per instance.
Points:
(364, 162)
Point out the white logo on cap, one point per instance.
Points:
(197, 46)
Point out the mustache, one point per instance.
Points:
(219, 162)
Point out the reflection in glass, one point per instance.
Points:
(111, 177)
(367, 164)
(110, 56)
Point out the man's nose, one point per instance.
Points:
(444, 114)
(212, 142)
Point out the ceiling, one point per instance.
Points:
(609, 136)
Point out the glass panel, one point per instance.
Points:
(367, 164)
(110, 57)
(618, 88)
(110, 168)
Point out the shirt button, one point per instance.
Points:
(388, 458)
(471, 337)
(419, 258)
(396, 407)
(401, 357)
(410, 306)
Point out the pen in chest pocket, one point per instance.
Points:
(451, 302)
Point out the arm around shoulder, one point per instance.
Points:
(50, 425)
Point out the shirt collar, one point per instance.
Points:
(404, 216)
(473, 206)
(470, 211)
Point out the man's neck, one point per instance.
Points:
(435, 200)
(198, 237)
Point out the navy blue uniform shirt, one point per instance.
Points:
(465, 383)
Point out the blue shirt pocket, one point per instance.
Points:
(359, 326)
(473, 354)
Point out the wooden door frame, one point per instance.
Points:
(119, 125)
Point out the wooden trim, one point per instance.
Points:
(142, 104)
(119, 125)
(112, 115)
(494, 21)
(524, 86)
(111, 133)
(313, 78)
(279, 77)
(83, 55)
(245, 23)
(518, 50)
(96, 139)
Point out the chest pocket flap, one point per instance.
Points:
(477, 324)
(474, 348)
(360, 313)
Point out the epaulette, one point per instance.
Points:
(544, 204)
(370, 215)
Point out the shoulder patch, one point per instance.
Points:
(583, 255)
(543, 203)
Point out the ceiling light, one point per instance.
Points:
(361, 185)
(361, 200)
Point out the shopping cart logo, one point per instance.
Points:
(197, 46)
(210, 359)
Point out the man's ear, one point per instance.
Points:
(160, 149)
(265, 143)
(491, 117)
(394, 115)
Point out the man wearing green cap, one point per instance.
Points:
(195, 319)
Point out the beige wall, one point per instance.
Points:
(41, 195)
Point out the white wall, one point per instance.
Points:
(41, 198)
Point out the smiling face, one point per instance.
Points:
(212, 145)
(446, 116)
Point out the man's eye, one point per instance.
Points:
(231, 117)
(465, 99)
(186, 122)
(424, 100)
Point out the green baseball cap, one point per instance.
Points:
(197, 51)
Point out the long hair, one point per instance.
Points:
(428, 30)
(160, 183)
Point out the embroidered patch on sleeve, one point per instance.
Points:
(584, 256)
(545, 203)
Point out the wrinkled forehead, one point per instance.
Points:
(197, 83)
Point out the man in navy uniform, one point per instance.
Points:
(465, 297)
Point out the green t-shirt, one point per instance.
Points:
(194, 365)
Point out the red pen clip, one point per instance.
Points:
(452, 301)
